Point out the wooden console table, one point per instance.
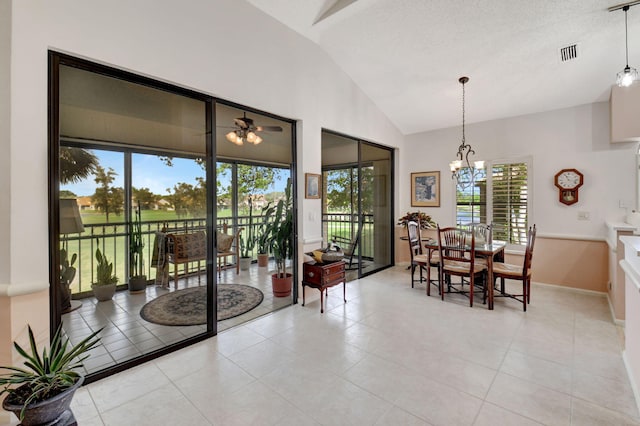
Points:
(322, 276)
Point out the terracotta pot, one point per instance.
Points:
(281, 286)
(54, 410)
(263, 259)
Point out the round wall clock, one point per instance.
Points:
(568, 182)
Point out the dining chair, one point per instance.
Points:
(517, 272)
(418, 259)
(457, 257)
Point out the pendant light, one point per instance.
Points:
(461, 166)
(628, 75)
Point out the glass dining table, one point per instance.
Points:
(493, 251)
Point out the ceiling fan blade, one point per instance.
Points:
(268, 128)
(240, 123)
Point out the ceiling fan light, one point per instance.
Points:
(231, 137)
(627, 77)
(258, 140)
(251, 137)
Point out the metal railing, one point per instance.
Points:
(111, 238)
(346, 225)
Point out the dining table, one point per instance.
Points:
(491, 251)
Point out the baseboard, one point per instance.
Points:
(613, 314)
(577, 290)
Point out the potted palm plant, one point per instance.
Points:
(105, 285)
(137, 277)
(281, 243)
(41, 393)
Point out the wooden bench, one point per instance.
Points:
(183, 249)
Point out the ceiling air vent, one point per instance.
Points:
(568, 53)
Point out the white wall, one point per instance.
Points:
(568, 138)
(226, 48)
(5, 133)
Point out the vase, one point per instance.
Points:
(52, 411)
(138, 284)
(245, 262)
(263, 259)
(281, 286)
(103, 292)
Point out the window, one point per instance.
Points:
(500, 197)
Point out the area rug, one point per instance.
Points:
(189, 306)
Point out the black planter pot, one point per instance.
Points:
(53, 411)
(138, 284)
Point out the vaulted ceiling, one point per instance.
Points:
(407, 55)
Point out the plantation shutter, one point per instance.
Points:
(509, 202)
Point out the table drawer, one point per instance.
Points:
(333, 278)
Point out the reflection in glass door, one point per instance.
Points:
(357, 200)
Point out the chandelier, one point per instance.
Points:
(628, 75)
(461, 169)
(239, 136)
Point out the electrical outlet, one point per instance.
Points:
(583, 215)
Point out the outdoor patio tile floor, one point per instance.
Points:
(126, 335)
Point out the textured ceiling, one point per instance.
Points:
(407, 55)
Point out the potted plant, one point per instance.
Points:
(137, 277)
(281, 243)
(67, 274)
(105, 285)
(248, 242)
(424, 219)
(262, 239)
(47, 384)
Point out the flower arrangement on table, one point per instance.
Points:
(423, 219)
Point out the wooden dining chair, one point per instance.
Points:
(517, 272)
(457, 257)
(418, 259)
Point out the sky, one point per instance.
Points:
(150, 172)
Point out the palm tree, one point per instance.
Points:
(76, 164)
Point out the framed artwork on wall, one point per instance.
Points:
(425, 189)
(312, 185)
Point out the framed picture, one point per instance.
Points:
(425, 189)
(312, 185)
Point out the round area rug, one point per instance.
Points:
(189, 306)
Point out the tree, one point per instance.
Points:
(252, 179)
(189, 199)
(144, 197)
(65, 193)
(76, 164)
(108, 199)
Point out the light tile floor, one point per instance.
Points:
(389, 356)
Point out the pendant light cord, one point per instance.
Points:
(626, 35)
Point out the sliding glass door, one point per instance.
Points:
(357, 202)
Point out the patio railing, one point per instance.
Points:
(111, 238)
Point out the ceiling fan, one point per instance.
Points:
(246, 130)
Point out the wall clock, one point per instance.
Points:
(568, 182)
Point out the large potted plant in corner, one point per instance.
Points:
(137, 277)
(105, 285)
(281, 243)
(41, 393)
